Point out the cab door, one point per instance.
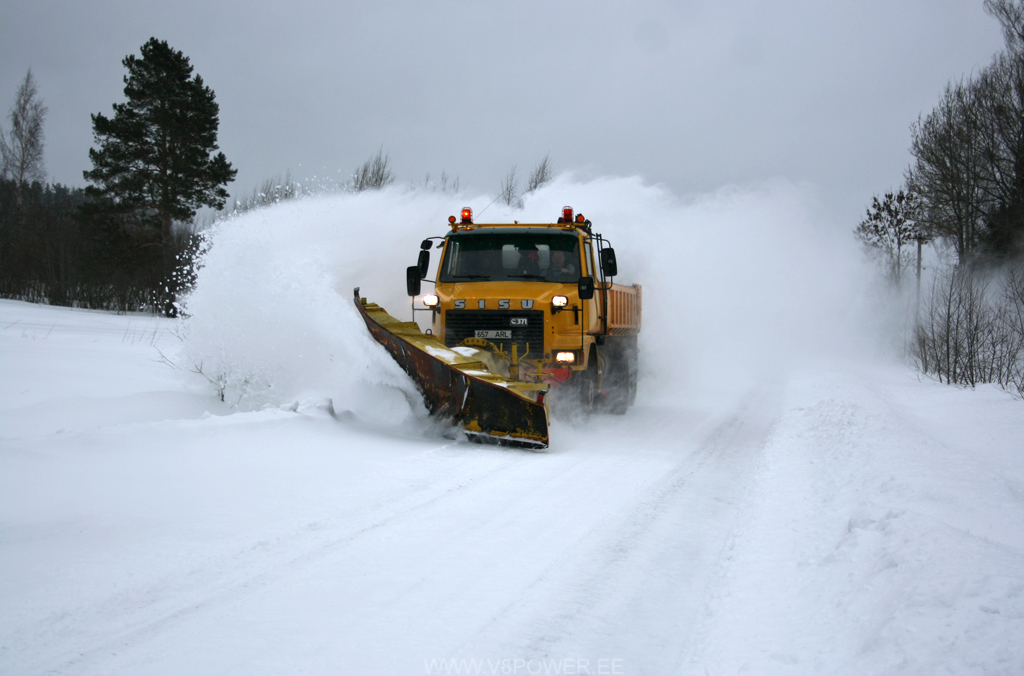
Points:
(592, 306)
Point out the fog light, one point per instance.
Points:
(566, 357)
(560, 301)
(430, 300)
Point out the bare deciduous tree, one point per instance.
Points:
(541, 174)
(449, 184)
(947, 172)
(1011, 15)
(969, 153)
(445, 184)
(374, 174)
(21, 148)
(509, 193)
(271, 191)
(968, 171)
(972, 333)
(1000, 99)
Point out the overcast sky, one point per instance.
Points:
(692, 94)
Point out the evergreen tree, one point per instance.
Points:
(889, 227)
(155, 158)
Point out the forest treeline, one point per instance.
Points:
(53, 250)
(119, 243)
(127, 241)
(963, 196)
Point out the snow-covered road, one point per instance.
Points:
(840, 520)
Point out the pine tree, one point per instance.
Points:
(155, 158)
(889, 227)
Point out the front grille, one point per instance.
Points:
(462, 324)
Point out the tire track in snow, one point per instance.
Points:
(478, 504)
(646, 570)
(217, 583)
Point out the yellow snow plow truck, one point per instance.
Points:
(518, 311)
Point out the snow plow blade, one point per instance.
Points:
(469, 384)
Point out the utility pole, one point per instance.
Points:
(917, 298)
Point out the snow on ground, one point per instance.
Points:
(884, 534)
(767, 507)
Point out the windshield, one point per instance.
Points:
(504, 256)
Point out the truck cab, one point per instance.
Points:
(541, 295)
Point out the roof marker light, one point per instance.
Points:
(451, 219)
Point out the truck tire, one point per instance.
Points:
(620, 374)
(633, 369)
(588, 383)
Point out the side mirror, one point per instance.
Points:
(586, 288)
(424, 263)
(425, 244)
(608, 264)
(412, 280)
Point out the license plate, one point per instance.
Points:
(519, 321)
(500, 334)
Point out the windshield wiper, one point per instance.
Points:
(458, 277)
(529, 276)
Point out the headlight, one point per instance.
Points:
(430, 300)
(559, 301)
(566, 357)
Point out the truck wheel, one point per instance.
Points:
(632, 370)
(619, 382)
(588, 384)
(616, 385)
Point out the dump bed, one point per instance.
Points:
(624, 310)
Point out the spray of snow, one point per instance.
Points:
(737, 284)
